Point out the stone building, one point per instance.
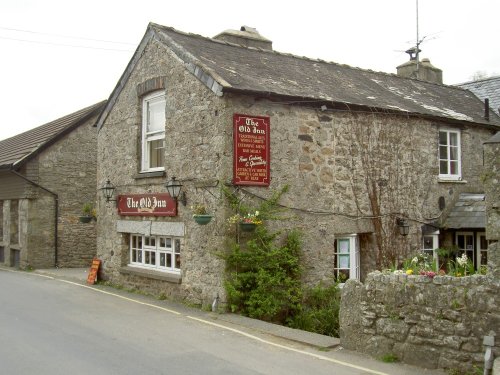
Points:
(46, 175)
(366, 156)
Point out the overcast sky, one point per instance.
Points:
(60, 56)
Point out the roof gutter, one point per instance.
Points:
(56, 211)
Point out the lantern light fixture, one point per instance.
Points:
(174, 188)
(404, 227)
(108, 191)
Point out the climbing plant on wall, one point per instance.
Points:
(263, 267)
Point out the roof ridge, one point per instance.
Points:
(479, 80)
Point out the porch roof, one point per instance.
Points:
(468, 212)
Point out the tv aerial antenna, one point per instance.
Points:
(414, 51)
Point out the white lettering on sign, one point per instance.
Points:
(251, 126)
(146, 203)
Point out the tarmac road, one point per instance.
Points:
(52, 324)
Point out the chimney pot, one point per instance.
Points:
(246, 36)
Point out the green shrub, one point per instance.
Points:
(389, 358)
(320, 311)
(263, 280)
(263, 275)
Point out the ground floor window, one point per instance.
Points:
(430, 244)
(156, 252)
(475, 246)
(346, 258)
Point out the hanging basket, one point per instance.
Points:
(248, 227)
(202, 219)
(85, 219)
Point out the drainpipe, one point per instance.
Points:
(56, 211)
(487, 109)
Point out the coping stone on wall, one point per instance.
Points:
(148, 228)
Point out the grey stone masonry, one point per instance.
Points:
(331, 160)
(491, 180)
(433, 323)
(68, 168)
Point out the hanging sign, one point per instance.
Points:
(154, 204)
(251, 150)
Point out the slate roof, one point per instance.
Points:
(486, 88)
(494, 139)
(19, 148)
(468, 212)
(226, 67)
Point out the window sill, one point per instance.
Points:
(151, 274)
(450, 180)
(149, 175)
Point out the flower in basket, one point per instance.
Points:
(199, 209)
(247, 219)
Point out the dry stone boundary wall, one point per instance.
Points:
(432, 323)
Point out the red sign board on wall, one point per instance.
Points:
(251, 146)
(155, 204)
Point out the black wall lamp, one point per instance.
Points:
(108, 191)
(174, 188)
(404, 227)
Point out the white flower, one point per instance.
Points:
(414, 260)
(462, 261)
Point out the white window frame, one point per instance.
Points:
(148, 252)
(352, 242)
(147, 137)
(471, 253)
(480, 249)
(450, 176)
(434, 245)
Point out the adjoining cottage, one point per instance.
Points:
(366, 155)
(47, 174)
(486, 88)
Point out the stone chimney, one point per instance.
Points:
(422, 70)
(246, 36)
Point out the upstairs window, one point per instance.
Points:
(153, 132)
(450, 165)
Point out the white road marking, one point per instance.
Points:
(317, 356)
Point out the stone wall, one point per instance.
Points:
(491, 179)
(329, 158)
(432, 323)
(195, 139)
(39, 250)
(67, 168)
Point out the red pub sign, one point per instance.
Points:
(251, 148)
(154, 204)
